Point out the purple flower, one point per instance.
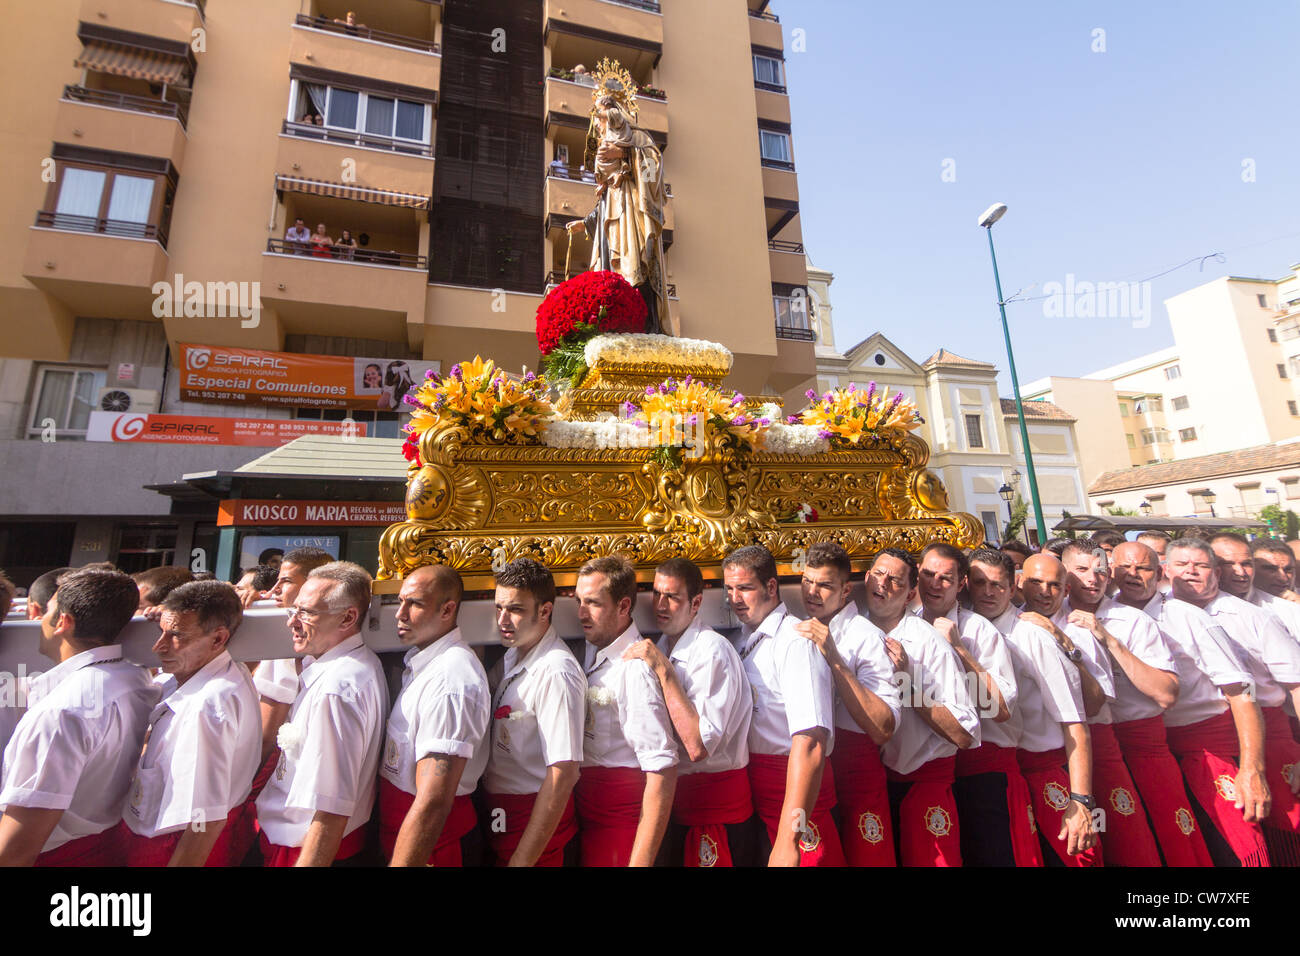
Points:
(828, 397)
(738, 420)
(410, 400)
(852, 387)
(529, 376)
(793, 420)
(825, 434)
(629, 408)
(765, 422)
(693, 420)
(738, 399)
(649, 389)
(430, 375)
(457, 374)
(894, 404)
(812, 396)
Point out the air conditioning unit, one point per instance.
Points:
(127, 400)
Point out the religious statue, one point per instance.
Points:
(626, 227)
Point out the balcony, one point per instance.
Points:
(780, 181)
(93, 266)
(789, 267)
(373, 54)
(317, 152)
(168, 20)
(764, 30)
(100, 119)
(570, 194)
(792, 321)
(584, 31)
(568, 106)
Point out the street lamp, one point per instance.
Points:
(1145, 508)
(1006, 493)
(986, 221)
(1015, 478)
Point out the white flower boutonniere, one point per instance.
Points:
(600, 696)
(290, 738)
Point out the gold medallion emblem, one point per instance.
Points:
(809, 837)
(708, 850)
(1226, 786)
(1122, 801)
(1183, 817)
(390, 754)
(870, 827)
(937, 821)
(1057, 797)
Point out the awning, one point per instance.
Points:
(319, 187)
(151, 65)
(1152, 523)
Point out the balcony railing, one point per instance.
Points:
(765, 15)
(349, 137)
(366, 33)
(650, 5)
(127, 101)
(555, 277)
(585, 79)
(770, 87)
(792, 318)
(777, 164)
(108, 227)
(372, 257)
(783, 245)
(581, 174)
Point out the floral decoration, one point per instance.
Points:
(480, 397)
(844, 416)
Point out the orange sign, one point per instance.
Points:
(309, 513)
(214, 373)
(198, 430)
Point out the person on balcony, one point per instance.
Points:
(296, 237)
(346, 246)
(321, 243)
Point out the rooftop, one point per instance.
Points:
(1038, 410)
(944, 357)
(1241, 461)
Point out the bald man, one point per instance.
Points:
(434, 753)
(1214, 728)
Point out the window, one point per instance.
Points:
(378, 424)
(65, 397)
(1187, 434)
(1180, 403)
(1281, 371)
(1263, 300)
(1292, 487)
(1132, 442)
(1173, 372)
(1157, 503)
(1155, 436)
(974, 435)
(1123, 409)
(769, 71)
(119, 194)
(355, 110)
(775, 147)
(991, 530)
(1252, 498)
(1289, 331)
(1272, 335)
(1152, 403)
(1291, 407)
(1294, 364)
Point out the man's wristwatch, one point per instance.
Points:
(1088, 802)
(1074, 654)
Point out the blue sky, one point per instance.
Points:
(1114, 165)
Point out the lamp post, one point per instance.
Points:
(1006, 494)
(986, 221)
(1145, 508)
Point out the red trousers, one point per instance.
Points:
(1160, 782)
(609, 809)
(98, 849)
(1049, 790)
(514, 810)
(232, 845)
(395, 803)
(862, 795)
(1125, 831)
(1281, 761)
(275, 855)
(1207, 751)
(928, 830)
(819, 844)
(1023, 834)
(705, 803)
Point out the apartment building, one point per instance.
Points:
(1229, 382)
(162, 151)
(973, 434)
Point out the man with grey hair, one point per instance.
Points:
(1272, 658)
(315, 807)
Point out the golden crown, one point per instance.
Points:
(614, 81)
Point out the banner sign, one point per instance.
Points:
(215, 373)
(198, 430)
(257, 549)
(306, 514)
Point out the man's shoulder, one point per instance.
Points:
(357, 671)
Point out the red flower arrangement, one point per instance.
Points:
(590, 303)
(411, 448)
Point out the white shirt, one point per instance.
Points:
(1095, 660)
(1262, 643)
(1203, 655)
(1288, 612)
(714, 680)
(627, 723)
(1050, 691)
(205, 747)
(792, 684)
(984, 642)
(277, 680)
(336, 726)
(933, 675)
(75, 748)
(444, 707)
(1137, 632)
(862, 645)
(546, 696)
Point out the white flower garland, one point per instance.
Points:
(600, 434)
(638, 348)
(290, 738)
(783, 439)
